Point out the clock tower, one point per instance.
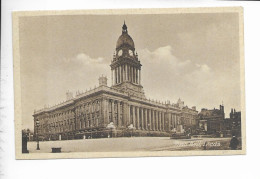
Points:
(126, 67)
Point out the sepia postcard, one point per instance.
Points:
(129, 83)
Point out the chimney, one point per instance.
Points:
(102, 81)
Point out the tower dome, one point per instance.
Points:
(125, 39)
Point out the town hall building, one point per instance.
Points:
(116, 110)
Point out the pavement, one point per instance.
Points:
(126, 144)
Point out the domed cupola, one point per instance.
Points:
(125, 40)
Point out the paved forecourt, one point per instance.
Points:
(131, 144)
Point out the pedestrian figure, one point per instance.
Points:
(234, 143)
(24, 143)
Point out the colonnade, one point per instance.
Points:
(126, 72)
(148, 119)
(116, 113)
(122, 115)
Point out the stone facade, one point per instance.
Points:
(123, 104)
(212, 121)
(188, 117)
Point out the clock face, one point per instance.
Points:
(131, 53)
(120, 52)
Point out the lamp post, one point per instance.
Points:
(37, 134)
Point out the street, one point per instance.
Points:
(131, 144)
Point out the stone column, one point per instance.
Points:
(163, 122)
(125, 68)
(172, 117)
(138, 118)
(175, 121)
(118, 75)
(90, 115)
(136, 70)
(127, 73)
(140, 76)
(125, 114)
(137, 76)
(160, 120)
(169, 124)
(76, 120)
(157, 120)
(133, 111)
(123, 73)
(112, 110)
(117, 80)
(104, 112)
(146, 119)
(128, 115)
(115, 76)
(132, 74)
(142, 118)
(150, 119)
(153, 120)
(118, 114)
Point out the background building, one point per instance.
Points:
(189, 117)
(233, 123)
(212, 121)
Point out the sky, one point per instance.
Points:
(194, 57)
